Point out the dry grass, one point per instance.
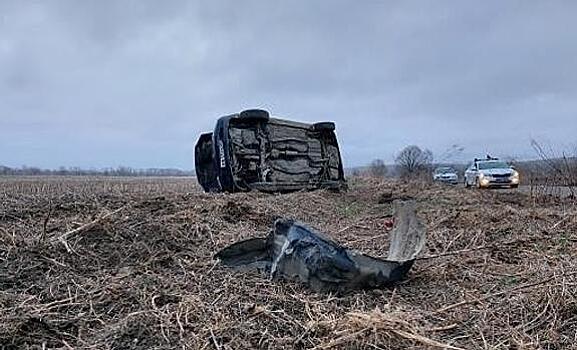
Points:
(498, 271)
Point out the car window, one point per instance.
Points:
(444, 170)
(492, 165)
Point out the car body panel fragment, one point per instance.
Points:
(297, 252)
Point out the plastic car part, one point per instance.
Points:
(295, 251)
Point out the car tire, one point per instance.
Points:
(324, 126)
(467, 184)
(514, 186)
(256, 115)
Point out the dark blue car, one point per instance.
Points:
(252, 151)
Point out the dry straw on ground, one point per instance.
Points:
(106, 264)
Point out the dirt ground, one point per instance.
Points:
(127, 264)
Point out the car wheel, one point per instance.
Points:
(256, 115)
(324, 126)
(514, 186)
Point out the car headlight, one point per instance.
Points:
(515, 177)
(481, 175)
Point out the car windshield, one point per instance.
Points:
(444, 170)
(493, 165)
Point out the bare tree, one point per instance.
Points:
(561, 168)
(378, 168)
(413, 161)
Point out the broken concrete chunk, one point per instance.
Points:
(297, 252)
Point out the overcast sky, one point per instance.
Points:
(98, 83)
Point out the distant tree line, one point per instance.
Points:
(77, 171)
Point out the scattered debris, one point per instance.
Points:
(295, 251)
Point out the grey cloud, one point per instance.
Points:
(134, 82)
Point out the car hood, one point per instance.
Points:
(497, 172)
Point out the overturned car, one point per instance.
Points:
(252, 151)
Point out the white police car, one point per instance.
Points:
(491, 172)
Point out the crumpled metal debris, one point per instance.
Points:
(295, 251)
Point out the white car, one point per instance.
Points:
(491, 172)
(446, 174)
